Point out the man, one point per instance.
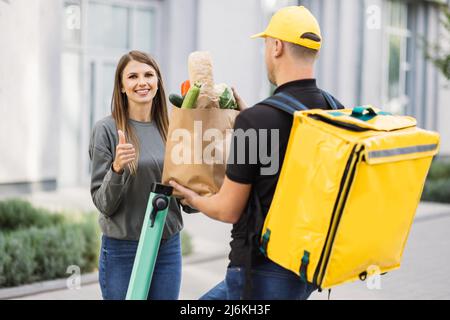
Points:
(292, 42)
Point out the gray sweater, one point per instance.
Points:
(122, 199)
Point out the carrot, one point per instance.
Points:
(185, 86)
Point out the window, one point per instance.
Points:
(145, 30)
(397, 35)
(108, 26)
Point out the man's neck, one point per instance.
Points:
(289, 73)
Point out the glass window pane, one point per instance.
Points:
(108, 73)
(394, 14)
(108, 26)
(398, 14)
(145, 32)
(92, 119)
(404, 15)
(394, 66)
(101, 90)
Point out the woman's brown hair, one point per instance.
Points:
(119, 103)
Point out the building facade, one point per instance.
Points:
(58, 58)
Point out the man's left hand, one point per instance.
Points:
(187, 194)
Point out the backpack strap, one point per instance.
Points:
(330, 100)
(287, 103)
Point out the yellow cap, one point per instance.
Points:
(294, 24)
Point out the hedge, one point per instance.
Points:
(437, 186)
(38, 245)
(186, 244)
(440, 169)
(18, 214)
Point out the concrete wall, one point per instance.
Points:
(221, 27)
(180, 39)
(29, 90)
(373, 56)
(224, 29)
(352, 52)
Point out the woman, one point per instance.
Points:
(127, 152)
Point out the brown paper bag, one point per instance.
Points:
(197, 148)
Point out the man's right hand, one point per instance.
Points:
(125, 154)
(240, 102)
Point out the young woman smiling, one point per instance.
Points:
(127, 152)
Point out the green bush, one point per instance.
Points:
(437, 191)
(437, 186)
(57, 248)
(439, 169)
(17, 214)
(19, 263)
(186, 243)
(45, 250)
(2, 259)
(91, 233)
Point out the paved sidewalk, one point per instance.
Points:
(423, 274)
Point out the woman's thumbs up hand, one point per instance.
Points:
(122, 139)
(125, 153)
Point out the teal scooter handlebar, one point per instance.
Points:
(149, 241)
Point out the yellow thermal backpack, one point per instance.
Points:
(348, 191)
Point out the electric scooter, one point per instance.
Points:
(149, 241)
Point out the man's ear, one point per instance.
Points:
(278, 48)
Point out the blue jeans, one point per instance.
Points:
(269, 282)
(116, 264)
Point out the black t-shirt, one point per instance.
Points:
(260, 121)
